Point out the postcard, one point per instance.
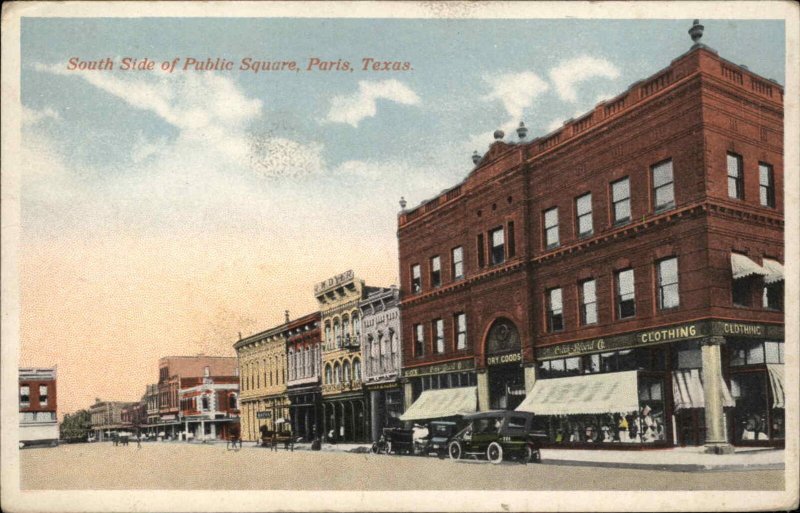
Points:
(402, 256)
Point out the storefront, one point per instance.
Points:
(452, 374)
(506, 381)
(385, 405)
(344, 418)
(304, 410)
(446, 403)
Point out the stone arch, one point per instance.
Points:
(502, 337)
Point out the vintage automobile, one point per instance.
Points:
(395, 441)
(498, 435)
(439, 434)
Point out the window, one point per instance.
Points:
(328, 336)
(457, 259)
(461, 331)
(346, 372)
(416, 279)
(24, 395)
(337, 373)
(328, 375)
(357, 369)
(621, 199)
(481, 257)
(741, 291)
(588, 290)
(419, 340)
(668, 296)
(438, 333)
(663, 187)
(555, 310)
(205, 403)
(774, 352)
(773, 296)
(735, 176)
(766, 184)
(626, 298)
(751, 352)
(498, 246)
(512, 246)
(436, 271)
(551, 227)
(43, 395)
(232, 405)
(583, 209)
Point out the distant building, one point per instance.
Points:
(38, 407)
(209, 408)
(107, 418)
(304, 357)
(151, 408)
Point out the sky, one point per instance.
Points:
(164, 213)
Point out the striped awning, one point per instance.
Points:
(575, 395)
(774, 271)
(743, 267)
(687, 390)
(448, 402)
(776, 382)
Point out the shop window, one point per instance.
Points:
(572, 366)
(512, 245)
(766, 183)
(591, 364)
(626, 298)
(668, 296)
(773, 352)
(588, 293)
(689, 356)
(551, 228)
(583, 211)
(42, 395)
(663, 186)
(555, 310)
(498, 246)
(419, 340)
(741, 291)
(621, 200)
(436, 271)
(557, 368)
(416, 279)
(752, 412)
(735, 176)
(480, 250)
(747, 352)
(438, 334)
(651, 413)
(24, 395)
(772, 297)
(457, 257)
(461, 330)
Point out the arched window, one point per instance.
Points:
(292, 375)
(258, 376)
(393, 343)
(337, 373)
(307, 358)
(346, 335)
(373, 351)
(232, 401)
(205, 403)
(328, 335)
(357, 326)
(356, 369)
(337, 333)
(346, 371)
(381, 351)
(328, 375)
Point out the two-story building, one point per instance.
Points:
(106, 418)
(38, 407)
(209, 406)
(304, 358)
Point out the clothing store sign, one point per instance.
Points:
(440, 368)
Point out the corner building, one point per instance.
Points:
(644, 279)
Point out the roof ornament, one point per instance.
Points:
(522, 131)
(696, 32)
(498, 135)
(476, 157)
(403, 203)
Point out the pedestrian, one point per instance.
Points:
(138, 440)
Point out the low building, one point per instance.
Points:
(107, 418)
(38, 407)
(210, 408)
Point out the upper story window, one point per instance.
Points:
(583, 211)
(328, 335)
(735, 176)
(328, 375)
(512, 246)
(621, 200)
(588, 292)
(416, 278)
(436, 271)
(772, 298)
(626, 296)
(551, 228)
(419, 340)
(480, 248)
(457, 259)
(461, 330)
(24, 395)
(42, 395)
(663, 186)
(438, 333)
(766, 184)
(498, 246)
(668, 295)
(555, 310)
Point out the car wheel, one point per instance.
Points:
(374, 449)
(494, 453)
(388, 448)
(528, 456)
(454, 450)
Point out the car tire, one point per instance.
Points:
(494, 453)
(454, 450)
(388, 448)
(528, 456)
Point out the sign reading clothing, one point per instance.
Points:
(440, 368)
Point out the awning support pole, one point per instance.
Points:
(716, 438)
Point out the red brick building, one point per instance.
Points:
(624, 272)
(38, 407)
(304, 357)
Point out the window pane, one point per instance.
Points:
(665, 196)
(755, 354)
(584, 204)
(551, 218)
(622, 211)
(555, 299)
(625, 282)
(621, 190)
(733, 165)
(497, 238)
(662, 174)
(573, 365)
(772, 352)
(589, 291)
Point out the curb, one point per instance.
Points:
(677, 467)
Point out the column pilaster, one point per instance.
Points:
(716, 437)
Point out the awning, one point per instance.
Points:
(743, 267)
(775, 372)
(592, 393)
(687, 390)
(774, 270)
(448, 402)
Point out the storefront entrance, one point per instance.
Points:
(504, 361)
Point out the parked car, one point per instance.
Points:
(498, 435)
(395, 440)
(439, 434)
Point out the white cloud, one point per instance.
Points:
(568, 74)
(351, 109)
(516, 91)
(33, 116)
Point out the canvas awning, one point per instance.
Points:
(774, 271)
(436, 404)
(775, 372)
(743, 267)
(593, 393)
(687, 390)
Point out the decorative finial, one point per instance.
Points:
(696, 32)
(475, 157)
(286, 315)
(499, 134)
(522, 131)
(403, 203)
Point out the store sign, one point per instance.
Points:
(168, 417)
(336, 281)
(381, 386)
(440, 368)
(263, 414)
(504, 358)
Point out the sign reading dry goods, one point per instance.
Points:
(504, 358)
(440, 368)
